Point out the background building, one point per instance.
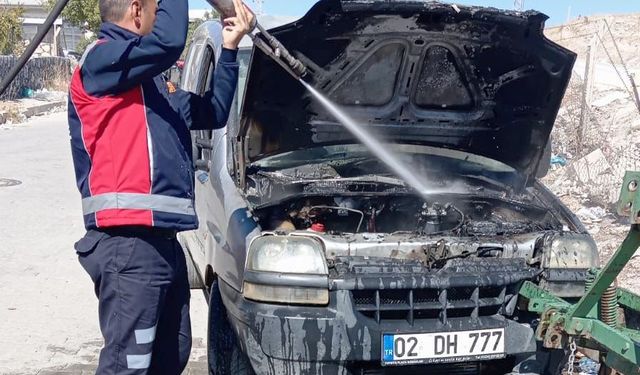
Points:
(61, 38)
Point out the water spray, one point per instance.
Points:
(376, 147)
(264, 41)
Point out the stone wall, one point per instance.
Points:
(52, 73)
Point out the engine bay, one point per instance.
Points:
(356, 211)
(406, 213)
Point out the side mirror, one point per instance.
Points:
(205, 47)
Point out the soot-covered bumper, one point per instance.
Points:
(346, 337)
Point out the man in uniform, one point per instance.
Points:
(131, 149)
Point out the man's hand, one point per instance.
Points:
(235, 28)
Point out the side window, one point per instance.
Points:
(203, 139)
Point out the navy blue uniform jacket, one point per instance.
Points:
(130, 135)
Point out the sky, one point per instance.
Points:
(558, 10)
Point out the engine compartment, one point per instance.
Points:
(406, 213)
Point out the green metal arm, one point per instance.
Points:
(562, 321)
(608, 275)
(620, 344)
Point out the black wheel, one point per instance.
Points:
(224, 354)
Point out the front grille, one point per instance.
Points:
(418, 304)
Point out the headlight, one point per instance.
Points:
(291, 295)
(287, 254)
(286, 269)
(571, 251)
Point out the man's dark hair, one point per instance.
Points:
(113, 10)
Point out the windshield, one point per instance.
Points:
(354, 160)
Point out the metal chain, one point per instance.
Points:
(572, 356)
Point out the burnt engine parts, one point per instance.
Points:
(404, 214)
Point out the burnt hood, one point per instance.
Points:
(479, 80)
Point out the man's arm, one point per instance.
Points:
(211, 110)
(115, 66)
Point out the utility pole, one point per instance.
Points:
(585, 104)
(591, 63)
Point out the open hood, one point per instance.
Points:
(479, 80)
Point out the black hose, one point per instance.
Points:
(31, 48)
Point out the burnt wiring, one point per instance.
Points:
(438, 263)
(406, 215)
(462, 217)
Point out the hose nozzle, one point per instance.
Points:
(274, 49)
(269, 45)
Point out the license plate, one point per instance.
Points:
(443, 347)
